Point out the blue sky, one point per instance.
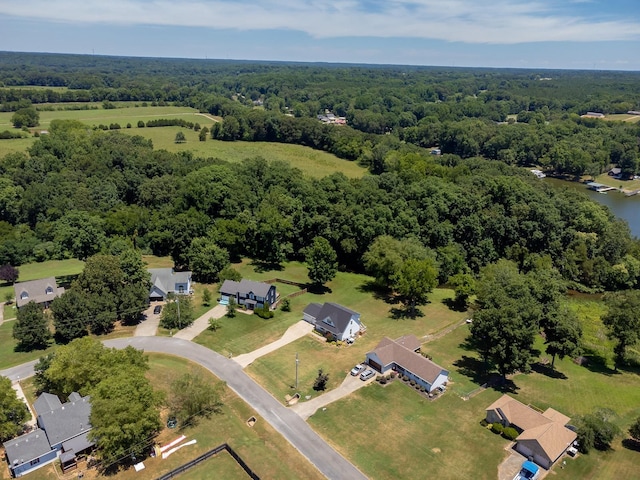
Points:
(570, 34)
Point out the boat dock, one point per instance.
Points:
(600, 187)
(631, 194)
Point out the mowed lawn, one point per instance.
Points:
(276, 371)
(260, 446)
(391, 432)
(312, 162)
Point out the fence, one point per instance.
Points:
(207, 455)
(282, 280)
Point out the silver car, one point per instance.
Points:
(367, 375)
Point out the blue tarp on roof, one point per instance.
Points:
(530, 466)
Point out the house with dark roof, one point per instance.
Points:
(334, 320)
(543, 437)
(248, 293)
(41, 291)
(401, 355)
(63, 432)
(166, 280)
(29, 452)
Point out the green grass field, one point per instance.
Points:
(392, 432)
(623, 117)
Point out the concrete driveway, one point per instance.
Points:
(349, 385)
(201, 323)
(294, 332)
(149, 326)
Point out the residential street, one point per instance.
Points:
(330, 463)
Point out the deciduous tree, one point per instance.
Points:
(13, 411)
(9, 273)
(31, 329)
(177, 313)
(622, 321)
(415, 280)
(191, 397)
(563, 334)
(322, 262)
(206, 259)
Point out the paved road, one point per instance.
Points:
(294, 332)
(330, 463)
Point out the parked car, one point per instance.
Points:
(367, 375)
(358, 369)
(157, 309)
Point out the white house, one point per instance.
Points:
(335, 320)
(165, 281)
(401, 356)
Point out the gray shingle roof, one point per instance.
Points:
(46, 402)
(27, 447)
(37, 291)
(66, 422)
(338, 315)
(231, 287)
(313, 309)
(165, 279)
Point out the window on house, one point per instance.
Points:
(24, 295)
(49, 291)
(181, 289)
(35, 461)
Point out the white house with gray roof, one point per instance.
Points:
(166, 280)
(248, 293)
(63, 431)
(41, 291)
(334, 320)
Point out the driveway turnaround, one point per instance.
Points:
(294, 332)
(348, 386)
(201, 323)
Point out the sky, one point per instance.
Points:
(566, 34)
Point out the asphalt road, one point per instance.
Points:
(290, 425)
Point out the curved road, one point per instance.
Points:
(288, 423)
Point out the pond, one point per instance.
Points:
(626, 208)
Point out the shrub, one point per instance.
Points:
(286, 305)
(405, 378)
(497, 428)
(510, 433)
(483, 422)
(264, 312)
(393, 374)
(412, 383)
(140, 124)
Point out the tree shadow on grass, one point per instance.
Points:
(631, 444)
(547, 371)
(378, 293)
(65, 280)
(455, 306)
(261, 267)
(317, 289)
(405, 312)
(595, 363)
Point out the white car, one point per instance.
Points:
(367, 375)
(357, 369)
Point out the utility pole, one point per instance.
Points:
(297, 361)
(178, 302)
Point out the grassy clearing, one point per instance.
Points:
(312, 162)
(623, 117)
(8, 356)
(222, 464)
(391, 432)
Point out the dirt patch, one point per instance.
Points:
(436, 450)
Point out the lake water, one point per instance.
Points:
(627, 208)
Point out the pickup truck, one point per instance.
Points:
(529, 471)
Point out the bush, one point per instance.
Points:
(510, 433)
(405, 378)
(497, 428)
(393, 374)
(422, 389)
(264, 312)
(412, 383)
(286, 305)
(484, 423)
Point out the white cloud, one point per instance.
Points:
(471, 21)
